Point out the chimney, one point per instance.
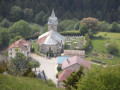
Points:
(68, 61)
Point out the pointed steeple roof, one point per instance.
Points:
(53, 19)
(53, 13)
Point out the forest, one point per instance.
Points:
(108, 10)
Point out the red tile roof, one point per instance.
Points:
(20, 44)
(76, 60)
(64, 75)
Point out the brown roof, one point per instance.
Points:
(20, 44)
(64, 75)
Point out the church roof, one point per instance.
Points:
(53, 19)
(51, 37)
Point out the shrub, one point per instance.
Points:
(3, 66)
(29, 73)
(32, 50)
(113, 49)
(59, 69)
(50, 83)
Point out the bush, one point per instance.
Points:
(59, 69)
(3, 66)
(29, 73)
(113, 49)
(57, 75)
(50, 83)
(32, 50)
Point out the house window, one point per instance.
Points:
(11, 53)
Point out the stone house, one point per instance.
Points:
(51, 42)
(19, 46)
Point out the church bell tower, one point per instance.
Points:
(52, 22)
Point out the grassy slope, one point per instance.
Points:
(8, 82)
(100, 48)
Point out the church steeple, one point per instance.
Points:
(53, 13)
(52, 22)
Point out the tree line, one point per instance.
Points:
(108, 10)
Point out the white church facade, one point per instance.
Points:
(51, 42)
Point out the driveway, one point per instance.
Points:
(48, 65)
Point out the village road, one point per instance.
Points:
(48, 65)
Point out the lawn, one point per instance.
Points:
(99, 51)
(8, 82)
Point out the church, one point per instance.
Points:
(51, 43)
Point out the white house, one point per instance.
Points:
(19, 46)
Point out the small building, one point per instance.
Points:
(63, 76)
(71, 53)
(19, 46)
(51, 43)
(74, 63)
(60, 60)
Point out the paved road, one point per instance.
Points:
(48, 65)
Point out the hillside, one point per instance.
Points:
(8, 82)
(99, 51)
(65, 9)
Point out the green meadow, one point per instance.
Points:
(99, 51)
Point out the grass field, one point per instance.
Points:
(8, 82)
(99, 48)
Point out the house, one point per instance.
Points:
(63, 76)
(19, 46)
(60, 60)
(68, 53)
(74, 63)
(51, 42)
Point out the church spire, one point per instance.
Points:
(53, 13)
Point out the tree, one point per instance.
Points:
(83, 29)
(39, 18)
(15, 39)
(77, 25)
(35, 64)
(28, 14)
(115, 27)
(1, 41)
(19, 64)
(113, 49)
(72, 80)
(35, 29)
(101, 79)
(16, 13)
(5, 37)
(5, 23)
(21, 28)
(66, 25)
(104, 26)
(91, 23)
